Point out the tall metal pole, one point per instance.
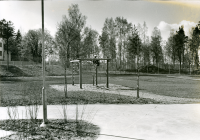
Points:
(93, 79)
(7, 50)
(73, 67)
(137, 71)
(80, 74)
(107, 84)
(96, 75)
(43, 73)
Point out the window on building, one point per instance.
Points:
(0, 44)
(0, 53)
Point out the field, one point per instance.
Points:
(18, 87)
(24, 91)
(174, 85)
(21, 90)
(21, 86)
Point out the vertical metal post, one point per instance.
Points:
(137, 71)
(93, 79)
(192, 65)
(107, 84)
(77, 113)
(96, 76)
(72, 73)
(137, 79)
(7, 51)
(80, 74)
(43, 73)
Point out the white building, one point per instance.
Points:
(1, 49)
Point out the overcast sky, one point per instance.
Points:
(165, 15)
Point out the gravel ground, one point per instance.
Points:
(118, 89)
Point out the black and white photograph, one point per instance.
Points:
(99, 69)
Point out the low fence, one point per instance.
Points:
(113, 66)
(17, 63)
(131, 67)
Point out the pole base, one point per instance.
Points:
(43, 124)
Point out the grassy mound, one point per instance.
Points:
(11, 71)
(31, 70)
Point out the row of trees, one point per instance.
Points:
(183, 49)
(27, 47)
(119, 40)
(123, 41)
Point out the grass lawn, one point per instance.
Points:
(18, 91)
(162, 85)
(24, 91)
(27, 91)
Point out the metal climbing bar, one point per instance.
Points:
(91, 59)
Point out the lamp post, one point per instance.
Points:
(43, 73)
(137, 69)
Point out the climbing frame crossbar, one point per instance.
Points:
(79, 60)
